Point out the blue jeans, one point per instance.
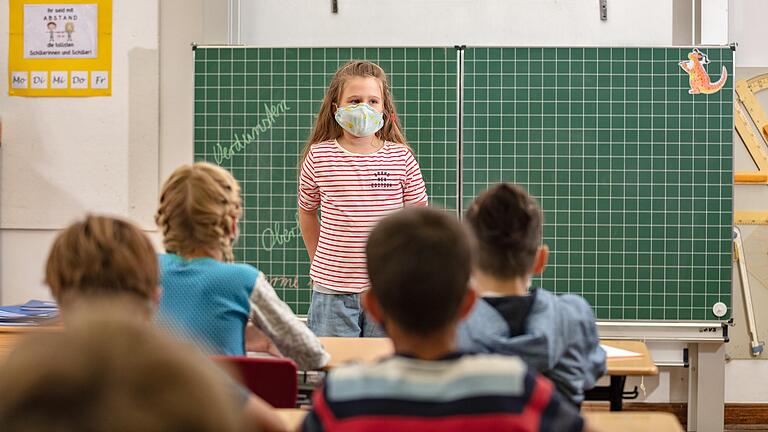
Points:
(340, 315)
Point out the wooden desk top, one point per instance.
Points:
(602, 421)
(293, 417)
(10, 336)
(642, 365)
(356, 350)
(28, 329)
(632, 421)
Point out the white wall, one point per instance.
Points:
(747, 27)
(22, 263)
(714, 22)
(63, 157)
(182, 23)
(452, 22)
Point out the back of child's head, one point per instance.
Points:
(507, 223)
(111, 374)
(419, 264)
(198, 211)
(102, 257)
(326, 126)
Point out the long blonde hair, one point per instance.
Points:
(199, 206)
(326, 127)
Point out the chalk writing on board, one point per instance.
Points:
(274, 111)
(284, 281)
(279, 234)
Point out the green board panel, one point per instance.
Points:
(254, 109)
(634, 173)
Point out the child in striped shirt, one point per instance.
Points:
(356, 168)
(419, 261)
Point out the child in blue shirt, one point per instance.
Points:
(555, 334)
(103, 271)
(206, 296)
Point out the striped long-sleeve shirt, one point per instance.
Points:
(458, 393)
(210, 302)
(353, 192)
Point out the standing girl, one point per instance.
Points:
(356, 168)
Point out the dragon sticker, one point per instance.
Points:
(697, 75)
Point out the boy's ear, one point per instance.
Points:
(156, 295)
(467, 304)
(540, 262)
(154, 302)
(54, 293)
(371, 306)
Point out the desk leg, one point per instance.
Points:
(693, 385)
(710, 409)
(616, 392)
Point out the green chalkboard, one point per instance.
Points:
(255, 107)
(634, 173)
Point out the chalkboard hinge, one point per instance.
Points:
(734, 45)
(460, 47)
(335, 6)
(194, 46)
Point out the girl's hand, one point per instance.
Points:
(257, 341)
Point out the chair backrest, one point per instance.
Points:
(272, 379)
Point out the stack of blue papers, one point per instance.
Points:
(32, 312)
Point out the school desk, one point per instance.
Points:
(350, 350)
(10, 336)
(633, 421)
(602, 421)
(292, 417)
(354, 350)
(619, 368)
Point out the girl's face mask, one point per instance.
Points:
(359, 119)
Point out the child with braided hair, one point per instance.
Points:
(206, 296)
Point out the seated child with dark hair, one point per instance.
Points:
(555, 334)
(419, 264)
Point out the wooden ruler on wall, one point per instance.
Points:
(745, 90)
(750, 217)
(754, 146)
